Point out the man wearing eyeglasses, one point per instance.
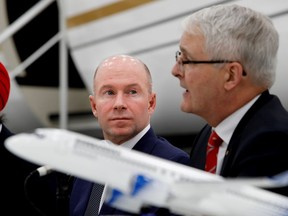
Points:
(227, 63)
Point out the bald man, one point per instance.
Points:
(123, 102)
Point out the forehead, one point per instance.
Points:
(193, 40)
(192, 44)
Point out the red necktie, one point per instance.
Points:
(212, 151)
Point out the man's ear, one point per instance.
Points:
(233, 75)
(152, 103)
(93, 105)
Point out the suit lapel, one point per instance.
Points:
(234, 144)
(198, 151)
(146, 143)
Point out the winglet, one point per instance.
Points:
(115, 194)
(140, 182)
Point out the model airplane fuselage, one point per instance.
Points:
(140, 179)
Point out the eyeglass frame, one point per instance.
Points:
(178, 53)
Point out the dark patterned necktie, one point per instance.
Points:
(212, 152)
(94, 200)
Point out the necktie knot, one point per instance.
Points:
(215, 140)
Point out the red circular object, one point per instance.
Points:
(4, 86)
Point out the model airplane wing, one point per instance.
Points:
(135, 179)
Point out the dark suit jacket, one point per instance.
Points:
(258, 146)
(14, 171)
(150, 144)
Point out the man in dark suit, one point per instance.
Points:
(123, 103)
(13, 169)
(22, 193)
(227, 64)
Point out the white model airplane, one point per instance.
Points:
(135, 179)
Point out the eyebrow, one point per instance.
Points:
(126, 86)
(184, 51)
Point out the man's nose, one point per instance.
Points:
(119, 102)
(176, 70)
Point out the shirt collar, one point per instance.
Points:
(132, 142)
(226, 128)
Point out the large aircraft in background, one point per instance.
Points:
(50, 89)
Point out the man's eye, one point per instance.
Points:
(109, 92)
(132, 92)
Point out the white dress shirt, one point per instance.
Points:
(226, 128)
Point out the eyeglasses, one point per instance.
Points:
(178, 54)
(181, 63)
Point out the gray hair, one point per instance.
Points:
(233, 32)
